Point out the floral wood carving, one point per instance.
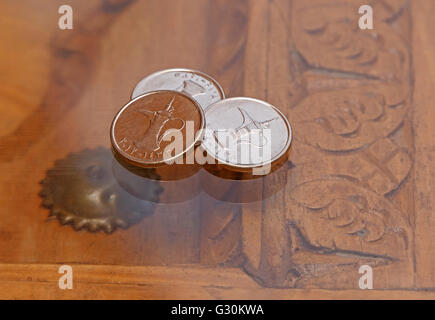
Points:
(348, 160)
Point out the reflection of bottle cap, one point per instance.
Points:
(200, 86)
(81, 190)
(246, 135)
(157, 127)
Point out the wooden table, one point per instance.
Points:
(358, 190)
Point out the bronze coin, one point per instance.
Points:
(143, 129)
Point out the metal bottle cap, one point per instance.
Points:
(243, 134)
(203, 88)
(140, 128)
(82, 191)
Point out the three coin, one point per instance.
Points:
(174, 110)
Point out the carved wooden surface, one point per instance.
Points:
(358, 188)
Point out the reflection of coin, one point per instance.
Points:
(245, 133)
(139, 181)
(81, 190)
(143, 129)
(203, 88)
(240, 188)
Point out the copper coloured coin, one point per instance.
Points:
(157, 128)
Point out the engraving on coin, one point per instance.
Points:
(203, 88)
(140, 128)
(246, 133)
(158, 121)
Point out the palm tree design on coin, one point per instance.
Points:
(160, 122)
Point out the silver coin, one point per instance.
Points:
(200, 86)
(246, 133)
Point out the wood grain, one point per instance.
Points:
(358, 188)
(424, 138)
(153, 282)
